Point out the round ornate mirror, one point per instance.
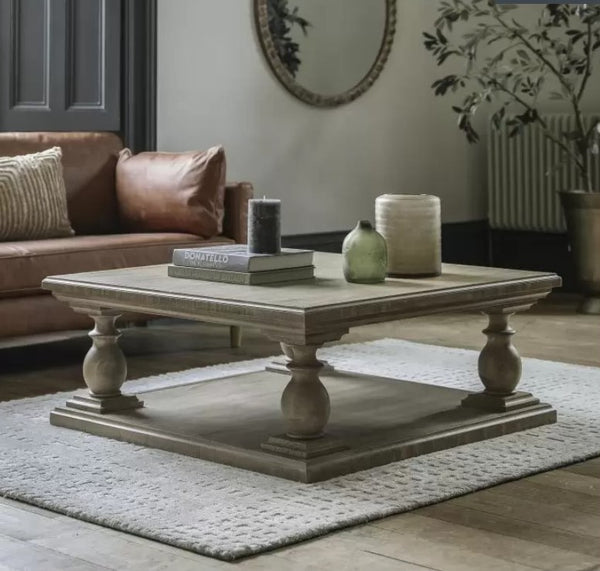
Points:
(326, 52)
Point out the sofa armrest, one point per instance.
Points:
(235, 221)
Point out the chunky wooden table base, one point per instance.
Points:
(374, 421)
(301, 441)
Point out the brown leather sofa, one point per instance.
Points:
(89, 161)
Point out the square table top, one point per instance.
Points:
(326, 300)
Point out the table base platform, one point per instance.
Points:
(237, 421)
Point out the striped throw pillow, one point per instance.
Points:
(33, 199)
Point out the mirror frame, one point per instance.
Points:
(316, 99)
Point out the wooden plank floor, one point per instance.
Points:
(548, 521)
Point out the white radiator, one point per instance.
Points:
(521, 196)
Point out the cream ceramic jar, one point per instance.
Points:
(411, 226)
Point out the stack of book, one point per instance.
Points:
(233, 264)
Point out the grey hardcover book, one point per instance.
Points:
(235, 258)
(242, 278)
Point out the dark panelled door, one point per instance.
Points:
(60, 65)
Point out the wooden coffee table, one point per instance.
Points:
(237, 421)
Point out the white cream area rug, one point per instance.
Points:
(229, 513)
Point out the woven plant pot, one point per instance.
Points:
(582, 213)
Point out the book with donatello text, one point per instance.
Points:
(242, 278)
(236, 258)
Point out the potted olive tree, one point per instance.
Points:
(515, 67)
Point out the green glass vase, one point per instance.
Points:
(364, 253)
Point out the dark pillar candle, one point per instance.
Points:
(264, 226)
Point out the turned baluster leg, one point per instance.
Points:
(104, 366)
(305, 400)
(499, 362)
(305, 406)
(105, 370)
(499, 369)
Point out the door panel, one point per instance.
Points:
(85, 41)
(60, 65)
(28, 24)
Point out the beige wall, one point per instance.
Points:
(327, 166)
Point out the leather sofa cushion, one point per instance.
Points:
(89, 161)
(172, 192)
(38, 314)
(41, 314)
(24, 264)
